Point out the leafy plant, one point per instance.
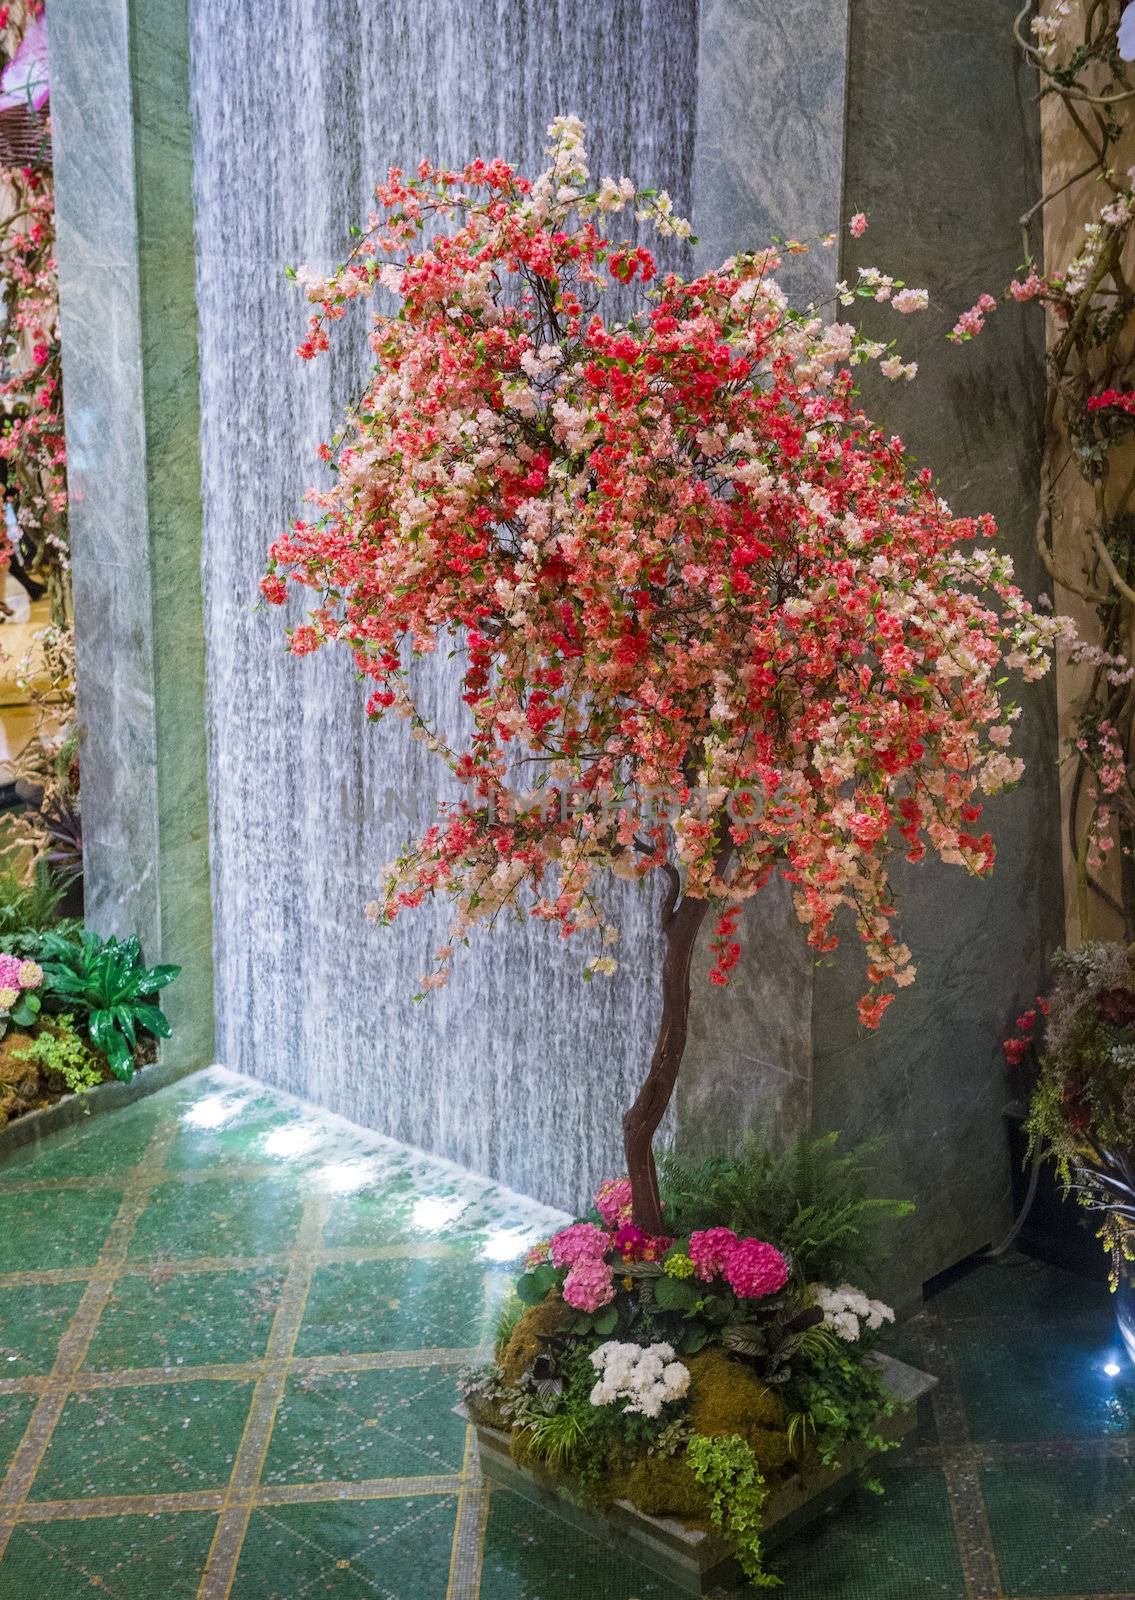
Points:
(28, 907)
(814, 1199)
(728, 1468)
(57, 1047)
(838, 1397)
(107, 983)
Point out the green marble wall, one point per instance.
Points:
(120, 113)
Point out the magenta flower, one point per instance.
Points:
(583, 1241)
(635, 1245)
(709, 1251)
(588, 1285)
(754, 1269)
(10, 971)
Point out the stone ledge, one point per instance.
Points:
(76, 1108)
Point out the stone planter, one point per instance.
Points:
(693, 1559)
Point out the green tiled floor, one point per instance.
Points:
(229, 1330)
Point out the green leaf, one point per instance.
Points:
(532, 1287)
(153, 1020)
(605, 1321)
(675, 1294)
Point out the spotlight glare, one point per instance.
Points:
(432, 1213)
(505, 1244)
(214, 1111)
(288, 1141)
(344, 1177)
(1112, 1368)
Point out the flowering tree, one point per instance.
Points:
(676, 561)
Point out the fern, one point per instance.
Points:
(813, 1200)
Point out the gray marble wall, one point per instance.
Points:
(123, 175)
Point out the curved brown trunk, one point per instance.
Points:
(641, 1122)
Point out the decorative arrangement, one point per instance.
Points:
(703, 1378)
(75, 1009)
(711, 623)
(1086, 212)
(34, 537)
(1082, 1110)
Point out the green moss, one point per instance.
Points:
(728, 1399)
(661, 1486)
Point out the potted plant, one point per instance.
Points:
(1082, 1109)
(691, 1395)
(710, 624)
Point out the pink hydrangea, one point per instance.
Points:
(709, 1251)
(583, 1241)
(753, 1269)
(588, 1285)
(613, 1201)
(537, 1255)
(10, 971)
(31, 974)
(635, 1245)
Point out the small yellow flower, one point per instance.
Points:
(628, 1283)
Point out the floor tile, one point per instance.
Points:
(153, 1439)
(530, 1556)
(354, 1425)
(125, 1558)
(226, 1126)
(376, 1550)
(399, 1305)
(94, 1147)
(33, 1318)
(216, 1217)
(1063, 1527)
(171, 1319)
(895, 1546)
(1040, 1380)
(55, 1228)
(15, 1409)
(1021, 1287)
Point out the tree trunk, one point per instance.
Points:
(641, 1121)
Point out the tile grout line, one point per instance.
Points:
(468, 1548)
(73, 1346)
(959, 1464)
(232, 1524)
(249, 1371)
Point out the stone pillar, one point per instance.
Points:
(123, 169)
(923, 116)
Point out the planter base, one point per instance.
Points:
(691, 1558)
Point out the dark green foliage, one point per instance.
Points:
(836, 1398)
(813, 1201)
(107, 985)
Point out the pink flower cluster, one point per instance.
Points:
(751, 1268)
(15, 976)
(581, 1248)
(971, 322)
(635, 1245)
(613, 1201)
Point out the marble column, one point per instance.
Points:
(923, 116)
(121, 137)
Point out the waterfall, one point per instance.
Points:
(519, 1069)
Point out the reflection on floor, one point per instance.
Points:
(229, 1327)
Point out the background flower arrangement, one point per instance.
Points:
(693, 1374)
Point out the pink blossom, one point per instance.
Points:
(753, 1269)
(858, 225)
(709, 1251)
(1030, 289)
(613, 1201)
(588, 1285)
(9, 971)
(583, 1241)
